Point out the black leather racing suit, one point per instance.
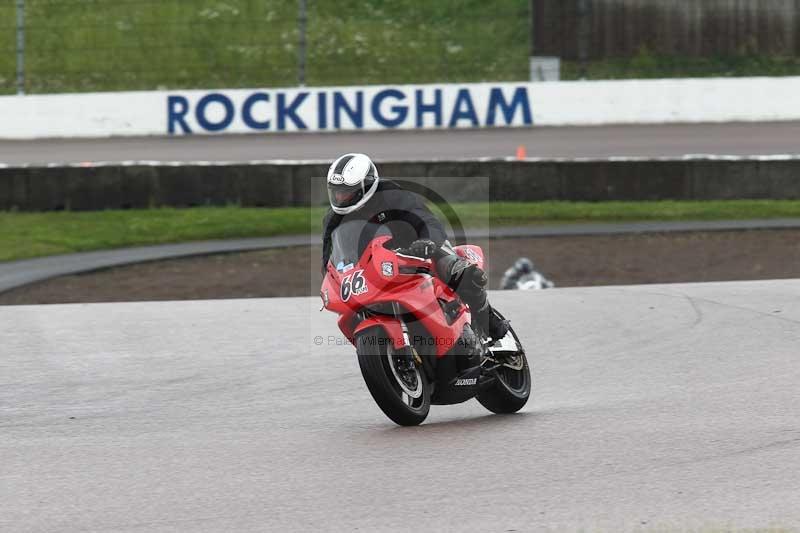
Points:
(409, 219)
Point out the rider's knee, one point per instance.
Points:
(479, 277)
(472, 287)
(445, 268)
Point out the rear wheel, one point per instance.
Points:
(396, 384)
(512, 386)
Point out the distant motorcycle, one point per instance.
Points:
(523, 276)
(416, 342)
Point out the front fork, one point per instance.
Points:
(408, 349)
(403, 325)
(397, 331)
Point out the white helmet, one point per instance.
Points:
(352, 180)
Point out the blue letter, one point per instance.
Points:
(247, 111)
(322, 110)
(520, 98)
(200, 112)
(356, 115)
(435, 107)
(290, 111)
(177, 107)
(463, 99)
(400, 112)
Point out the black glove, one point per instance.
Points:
(424, 248)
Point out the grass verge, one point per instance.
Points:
(111, 45)
(649, 66)
(27, 235)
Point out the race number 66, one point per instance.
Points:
(353, 284)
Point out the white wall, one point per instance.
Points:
(670, 100)
(388, 107)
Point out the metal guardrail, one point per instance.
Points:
(20, 34)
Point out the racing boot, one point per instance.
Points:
(494, 326)
(470, 283)
(489, 322)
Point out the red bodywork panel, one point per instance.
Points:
(472, 253)
(377, 279)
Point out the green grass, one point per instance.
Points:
(112, 45)
(100, 45)
(510, 213)
(38, 234)
(646, 65)
(25, 235)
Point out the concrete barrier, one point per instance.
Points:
(287, 183)
(405, 107)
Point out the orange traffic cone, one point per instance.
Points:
(521, 153)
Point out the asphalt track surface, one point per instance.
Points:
(654, 407)
(672, 140)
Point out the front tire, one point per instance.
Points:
(512, 387)
(399, 388)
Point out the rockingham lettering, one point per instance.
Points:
(349, 108)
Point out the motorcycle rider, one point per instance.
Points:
(523, 275)
(356, 190)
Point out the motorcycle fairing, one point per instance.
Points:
(472, 253)
(390, 325)
(418, 294)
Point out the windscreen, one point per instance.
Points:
(350, 239)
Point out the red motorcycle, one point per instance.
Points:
(416, 342)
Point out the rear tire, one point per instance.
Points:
(512, 387)
(387, 383)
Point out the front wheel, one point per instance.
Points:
(396, 384)
(512, 386)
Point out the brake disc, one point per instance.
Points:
(416, 392)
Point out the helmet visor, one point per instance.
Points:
(342, 195)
